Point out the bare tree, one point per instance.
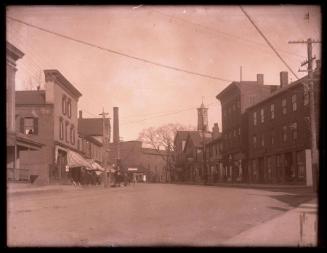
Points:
(162, 139)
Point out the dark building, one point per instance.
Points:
(279, 134)
(214, 156)
(235, 99)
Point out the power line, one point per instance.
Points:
(163, 115)
(268, 42)
(119, 53)
(223, 33)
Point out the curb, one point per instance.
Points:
(33, 192)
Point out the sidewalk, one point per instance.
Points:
(247, 185)
(297, 227)
(15, 189)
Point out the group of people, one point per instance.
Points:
(81, 176)
(121, 179)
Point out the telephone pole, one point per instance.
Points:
(309, 87)
(104, 148)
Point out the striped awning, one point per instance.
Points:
(76, 160)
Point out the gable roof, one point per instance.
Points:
(247, 86)
(30, 97)
(284, 89)
(92, 126)
(197, 139)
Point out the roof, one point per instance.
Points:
(28, 141)
(30, 97)
(182, 134)
(152, 151)
(53, 74)
(282, 90)
(91, 139)
(13, 51)
(196, 137)
(92, 126)
(247, 86)
(217, 139)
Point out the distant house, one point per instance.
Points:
(235, 99)
(90, 137)
(16, 142)
(50, 117)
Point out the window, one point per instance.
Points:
(234, 132)
(255, 118)
(284, 106)
(262, 140)
(29, 125)
(284, 133)
(272, 138)
(239, 131)
(234, 107)
(306, 97)
(61, 129)
(63, 104)
(294, 105)
(272, 111)
(72, 135)
(238, 104)
(294, 130)
(66, 131)
(69, 108)
(254, 141)
(262, 113)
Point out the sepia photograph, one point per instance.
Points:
(163, 125)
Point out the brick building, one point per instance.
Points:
(214, 156)
(16, 142)
(141, 161)
(235, 99)
(49, 116)
(90, 137)
(279, 134)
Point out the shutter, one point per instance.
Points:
(36, 125)
(22, 125)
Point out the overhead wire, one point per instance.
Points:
(268, 42)
(120, 53)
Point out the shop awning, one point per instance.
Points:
(76, 160)
(95, 165)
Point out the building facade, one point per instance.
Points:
(16, 142)
(50, 116)
(279, 135)
(235, 99)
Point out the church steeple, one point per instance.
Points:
(202, 117)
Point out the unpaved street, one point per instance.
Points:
(144, 214)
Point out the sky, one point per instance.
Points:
(210, 40)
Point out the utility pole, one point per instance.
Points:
(104, 149)
(309, 87)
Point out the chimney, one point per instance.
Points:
(283, 79)
(260, 79)
(116, 126)
(80, 114)
(215, 131)
(318, 64)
